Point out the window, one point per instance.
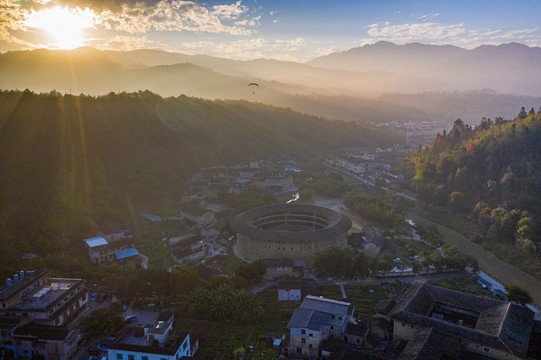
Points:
(485, 349)
(144, 357)
(303, 341)
(119, 356)
(332, 327)
(310, 346)
(303, 331)
(299, 350)
(131, 357)
(310, 334)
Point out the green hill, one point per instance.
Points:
(493, 172)
(72, 164)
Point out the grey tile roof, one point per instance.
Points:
(425, 345)
(309, 319)
(500, 325)
(42, 331)
(325, 305)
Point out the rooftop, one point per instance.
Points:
(309, 319)
(193, 208)
(41, 331)
(16, 287)
(124, 254)
(128, 341)
(499, 325)
(41, 298)
(96, 241)
(325, 305)
(159, 328)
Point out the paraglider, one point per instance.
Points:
(253, 84)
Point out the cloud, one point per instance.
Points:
(248, 48)
(133, 17)
(232, 11)
(427, 16)
(127, 43)
(453, 34)
(170, 15)
(326, 51)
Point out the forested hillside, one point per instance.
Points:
(72, 164)
(492, 171)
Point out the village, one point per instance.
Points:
(409, 296)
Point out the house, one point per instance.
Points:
(308, 328)
(340, 312)
(35, 295)
(166, 316)
(194, 212)
(462, 325)
(104, 248)
(48, 341)
(160, 342)
(193, 193)
(187, 248)
(290, 289)
(277, 267)
(350, 163)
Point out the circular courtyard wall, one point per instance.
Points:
(289, 231)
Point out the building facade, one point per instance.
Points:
(289, 231)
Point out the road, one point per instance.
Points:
(503, 272)
(369, 281)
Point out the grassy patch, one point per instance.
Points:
(465, 284)
(276, 314)
(367, 296)
(149, 241)
(217, 337)
(228, 263)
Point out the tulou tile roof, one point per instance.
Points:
(500, 325)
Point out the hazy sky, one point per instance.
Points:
(282, 29)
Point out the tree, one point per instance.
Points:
(101, 322)
(458, 202)
(252, 272)
(335, 261)
(522, 114)
(518, 294)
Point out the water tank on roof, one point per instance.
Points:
(21, 274)
(15, 277)
(8, 281)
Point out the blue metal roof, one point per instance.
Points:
(123, 254)
(96, 241)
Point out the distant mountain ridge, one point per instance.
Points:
(340, 85)
(511, 68)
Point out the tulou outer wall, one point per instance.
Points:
(253, 249)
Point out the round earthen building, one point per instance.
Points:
(289, 231)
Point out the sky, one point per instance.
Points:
(295, 30)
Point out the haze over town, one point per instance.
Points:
(260, 179)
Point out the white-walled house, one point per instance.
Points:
(169, 345)
(308, 328)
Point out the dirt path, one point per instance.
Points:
(500, 270)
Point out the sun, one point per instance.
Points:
(64, 26)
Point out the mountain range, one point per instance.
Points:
(360, 84)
